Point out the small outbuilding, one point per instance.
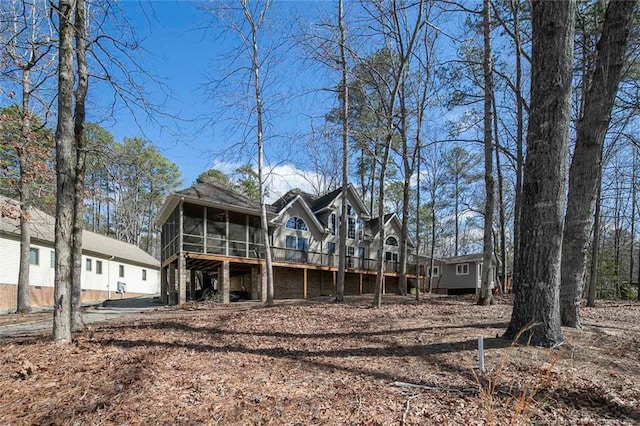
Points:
(460, 274)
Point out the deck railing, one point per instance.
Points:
(244, 249)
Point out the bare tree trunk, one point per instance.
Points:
(23, 303)
(515, 9)
(418, 146)
(65, 173)
(633, 220)
(408, 172)
(255, 69)
(80, 166)
(344, 219)
(595, 248)
(432, 252)
(501, 212)
(377, 297)
(456, 213)
(485, 296)
(591, 129)
(404, 53)
(536, 310)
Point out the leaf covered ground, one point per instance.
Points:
(325, 363)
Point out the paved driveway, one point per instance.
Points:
(110, 309)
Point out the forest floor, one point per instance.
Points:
(325, 363)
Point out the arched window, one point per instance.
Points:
(297, 223)
(391, 241)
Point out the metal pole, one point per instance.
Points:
(481, 353)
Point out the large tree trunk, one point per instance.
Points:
(485, 297)
(591, 129)
(536, 310)
(65, 173)
(79, 137)
(344, 219)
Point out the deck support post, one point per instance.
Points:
(334, 284)
(204, 232)
(263, 282)
(304, 283)
(192, 284)
(360, 277)
(171, 287)
(225, 284)
(182, 280)
(255, 283)
(164, 285)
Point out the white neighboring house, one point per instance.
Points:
(105, 263)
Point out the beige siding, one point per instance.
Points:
(313, 235)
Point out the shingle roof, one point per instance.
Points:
(43, 229)
(290, 195)
(325, 200)
(220, 194)
(373, 223)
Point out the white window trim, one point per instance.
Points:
(458, 265)
(436, 271)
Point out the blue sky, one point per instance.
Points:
(183, 50)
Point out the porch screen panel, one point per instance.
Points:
(170, 233)
(237, 234)
(256, 248)
(193, 223)
(216, 231)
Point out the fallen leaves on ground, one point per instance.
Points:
(325, 363)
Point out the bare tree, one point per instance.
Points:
(255, 18)
(402, 32)
(591, 129)
(485, 297)
(536, 310)
(434, 178)
(26, 41)
(344, 116)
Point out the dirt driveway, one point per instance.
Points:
(16, 325)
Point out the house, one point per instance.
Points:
(211, 239)
(459, 274)
(110, 268)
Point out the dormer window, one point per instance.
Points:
(392, 241)
(297, 223)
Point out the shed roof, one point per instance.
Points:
(473, 257)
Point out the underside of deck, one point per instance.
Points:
(193, 276)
